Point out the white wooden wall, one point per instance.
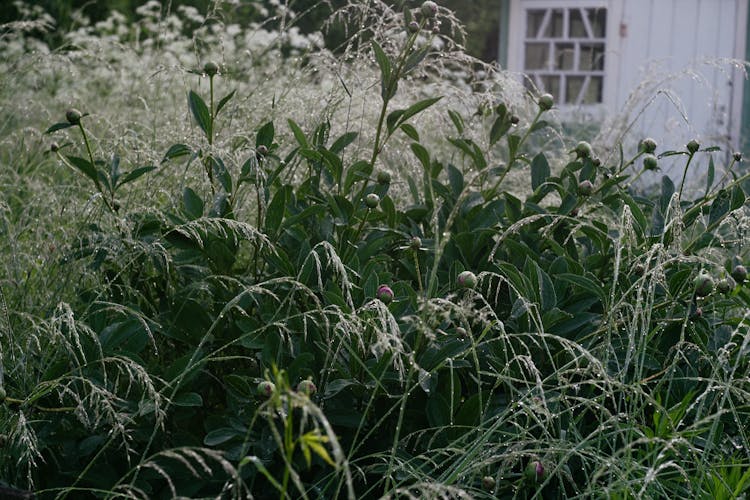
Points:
(667, 69)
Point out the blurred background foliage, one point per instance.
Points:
(480, 17)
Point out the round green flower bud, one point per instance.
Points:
(413, 27)
(739, 273)
(429, 9)
(467, 279)
(73, 116)
(546, 101)
(461, 332)
(372, 200)
(703, 284)
(261, 150)
(648, 145)
(693, 146)
(488, 483)
(210, 68)
(415, 243)
(597, 162)
(385, 294)
(585, 188)
(514, 120)
(266, 388)
(534, 471)
(650, 162)
(384, 177)
(725, 285)
(54, 147)
(737, 156)
(583, 149)
(307, 387)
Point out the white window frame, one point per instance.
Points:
(517, 40)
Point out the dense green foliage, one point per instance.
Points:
(290, 313)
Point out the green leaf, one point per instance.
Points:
(410, 131)
(719, 208)
(499, 128)
(188, 399)
(667, 190)
(200, 113)
(513, 142)
(134, 174)
(540, 171)
(538, 126)
(114, 169)
(342, 142)
(59, 126)
(224, 100)
(415, 58)
(192, 204)
(265, 135)
(457, 120)
(275, 212)
(738, 197)
(418, 107)
(175, 151)
(220, 435)
(298, 134)
(84, 166)
(360, 170)
(221, 173)
(422, 154)
(385, 69)
(586, 283)
(710, 174)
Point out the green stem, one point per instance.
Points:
(389, 92)
(397, 433)
(356, 235)
(684, 175)
(513, 157)
(211, 111)
(107, 201)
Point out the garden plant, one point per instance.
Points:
(352, 273)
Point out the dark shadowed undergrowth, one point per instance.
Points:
(251, 268)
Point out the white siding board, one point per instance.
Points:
(672, 46)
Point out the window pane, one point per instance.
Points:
(564, 56)
(534, 20)
(537, 56)
(551, 84)
(555, 25)
(577, 28)
(592, 57)
(598, 22)
(594, 92)
(573, 86)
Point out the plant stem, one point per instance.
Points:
(513, 157)
(684, 175)
(107, 201)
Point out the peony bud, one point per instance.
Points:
(385, 294)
